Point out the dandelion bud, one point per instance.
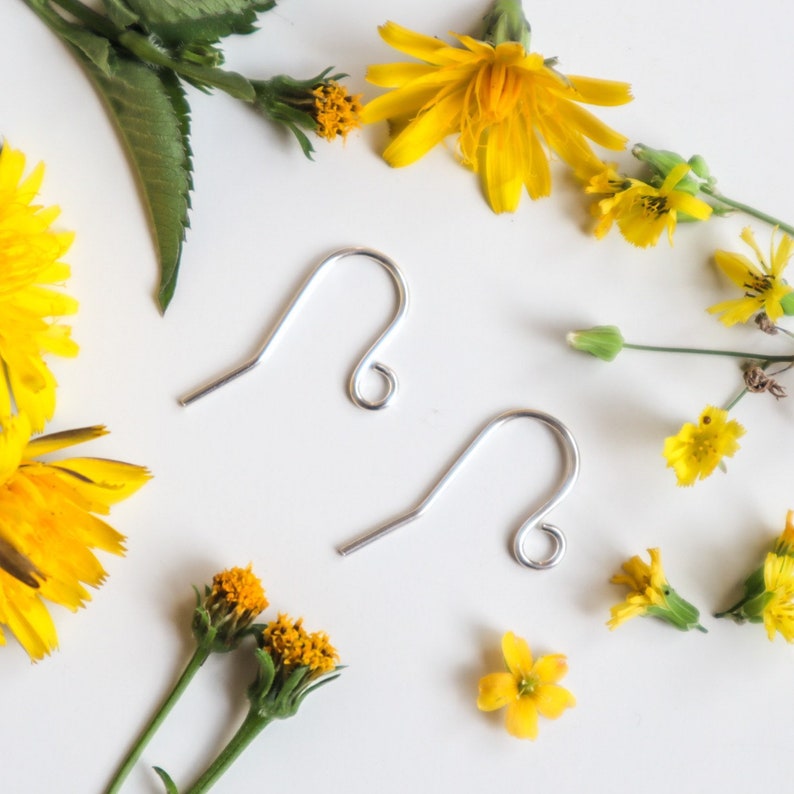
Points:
(230, 607)
(602, 341)
(699, 167)
(662, 162)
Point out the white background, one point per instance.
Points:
(279, 467)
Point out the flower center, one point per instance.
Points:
(335, 111)
(527, 685)
(654, 205)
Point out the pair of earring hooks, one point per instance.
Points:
(570, 449)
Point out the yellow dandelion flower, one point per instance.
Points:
(508, 107)
(643, 211)
(30, 265)
(651, 594)
(528, 688)
(778, 610)
(48, 527)
(335, 110)
(697, 450)
(763, 287)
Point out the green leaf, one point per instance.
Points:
(170, 786)
(183, 21)
(120, 13)
(152, 115)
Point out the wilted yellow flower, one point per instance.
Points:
(507, 106)
(335, 110)
(762, 288)
(291, 646)
(697, 450)
(651, 594)
(48, 527)
(30, 266)
(528, 688)
(643, 211)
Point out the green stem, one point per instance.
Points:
(246, 733)
(199, 657)
(738, 205)
(707, 352)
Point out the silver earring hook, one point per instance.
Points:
(366, 363)
(535, 521)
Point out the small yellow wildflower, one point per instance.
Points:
(290, 645)
(335, 111)
(48, 527)
(651, 594)
(697, 450)
(30, 265)
(763, 288)
(778, 611)
(641, 210)
(528, 688)
(507, 106)
(230, 606)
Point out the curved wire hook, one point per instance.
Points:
(534, 521)
(366, 363)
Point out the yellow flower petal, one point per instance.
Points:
(552, 700)
(551, 668)
(521, 719)
(496, 691)
(517, 655)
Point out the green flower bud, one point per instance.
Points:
(699, 167)
(506, 22)
(661, 162)
(602, 341)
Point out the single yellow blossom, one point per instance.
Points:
(528, 688)
(30, 268)
(291, 646)
(651, 594)
(763, 287)
(335, 110)
(778, 610)
(643, 211)
(697, 450)
(48, 527)
(508, 107)
(230, 606)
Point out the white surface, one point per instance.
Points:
(280, 467)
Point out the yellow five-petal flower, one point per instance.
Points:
(528, 688)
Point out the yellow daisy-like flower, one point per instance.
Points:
(48, 527)
(697, 450)
(651, 594)
(30, 266)
(643, 211)
(508, 107)
(763, 288)
(528, 688)
(778, 609)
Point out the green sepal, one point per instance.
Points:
(677, 611)
(170, 786)
(506, 22)
(188, 21)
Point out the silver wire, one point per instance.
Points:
(366, 363)
(535, 521)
